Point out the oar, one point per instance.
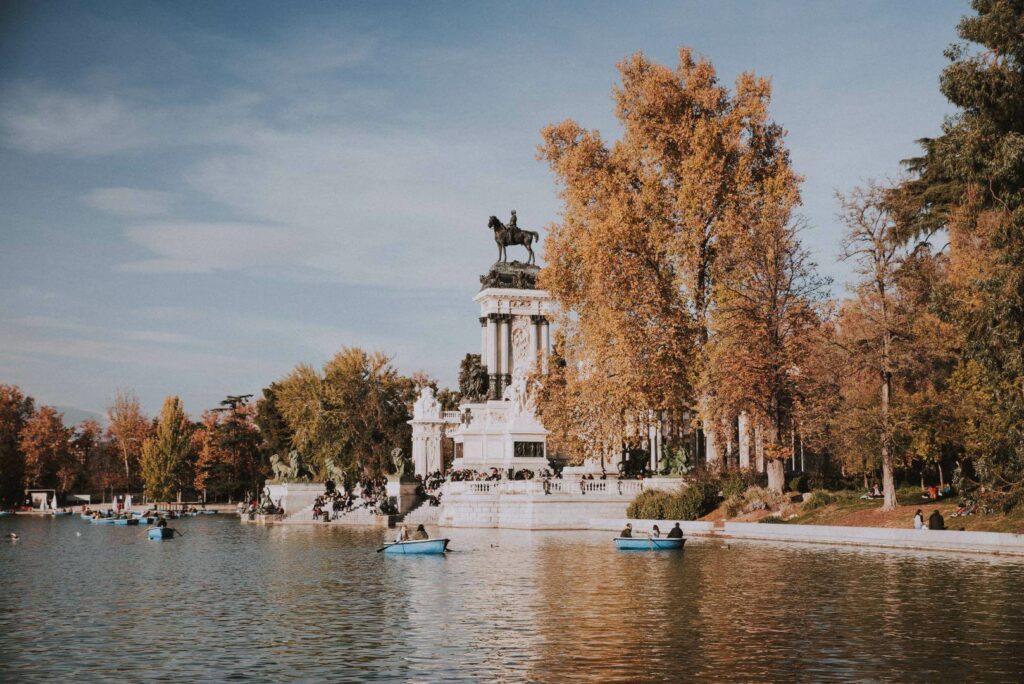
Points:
(386, 546)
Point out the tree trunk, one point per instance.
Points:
(942, 482)
(776, 468)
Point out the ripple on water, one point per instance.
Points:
(230, 602)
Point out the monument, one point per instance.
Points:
(498, 427)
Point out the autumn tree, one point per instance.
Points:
(165, 459)
(128, 427)
(46, 445)
(765, 318)
(15, 411)
(634, 262)
(230, 461)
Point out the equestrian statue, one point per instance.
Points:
(512, 234)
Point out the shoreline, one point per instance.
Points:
(987, 543)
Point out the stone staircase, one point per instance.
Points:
(421, 514)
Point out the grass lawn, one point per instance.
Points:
(853, 512)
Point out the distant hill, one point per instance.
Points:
(73, 416)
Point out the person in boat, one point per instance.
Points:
(935, 521)
(918, 520)
(420, 533)
(655, 532)
(403, 534)
(162, 522)
(675, 533)
(627, 531)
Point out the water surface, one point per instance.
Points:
(232, 602)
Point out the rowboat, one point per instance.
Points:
(208, 512)
(418, 546)
(159, 533)
(648, 544)
(126, 521)
(103, 521)
(5, 513)
(62, 512)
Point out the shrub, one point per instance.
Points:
(694, 500)
(776, 520)
(648, 505)
(799, 484)
(819, 499)
(734, 505)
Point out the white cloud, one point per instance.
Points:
(129, 202)
(184, 247)
(35, 119)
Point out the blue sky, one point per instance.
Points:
(197, 196)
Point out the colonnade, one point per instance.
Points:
(497, 352)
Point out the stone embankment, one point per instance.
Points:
(1000, 543)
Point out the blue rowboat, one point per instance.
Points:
(5, 513)
(418, 546)
(103, 521)
(159, 533)
(126, 521)
(62, 513)
(645, 544)
(208, 512)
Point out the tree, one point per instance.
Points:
(764, 322)
(970, 182)
(87, 449)
(165, 455)
(276, 436)
(355, 413)
(230, 460)
(15, 411)
(128, 428)
(634, 262)
(46, 445)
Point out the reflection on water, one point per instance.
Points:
(234, 602)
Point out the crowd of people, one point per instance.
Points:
(368, 493)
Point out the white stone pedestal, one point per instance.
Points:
(294, 496)
(403, 494)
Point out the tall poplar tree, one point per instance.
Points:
(165, 456)
(634, 261)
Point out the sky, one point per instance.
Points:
(198, 196)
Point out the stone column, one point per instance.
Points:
(711, 455)
(483, 341)
(744, 430)
(759, 448)
(532, 354)
(492, 356)
(545, 344)
(507, 341)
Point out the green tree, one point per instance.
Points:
(165, 455)
(15, 411)
(355, 413)
(970, 182)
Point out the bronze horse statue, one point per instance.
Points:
(512, 235)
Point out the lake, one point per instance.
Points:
(232, 602)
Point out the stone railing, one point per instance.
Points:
(574, 487)
(451, 416)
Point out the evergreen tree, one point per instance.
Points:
(970, 182)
